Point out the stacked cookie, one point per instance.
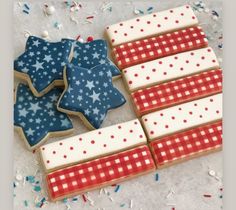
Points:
(85, 73)
(174, 80)
(96, 159)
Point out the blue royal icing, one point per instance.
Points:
(90, 92)
(37, 116)
(43, 61)
(91, 54)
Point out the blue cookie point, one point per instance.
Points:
(43, 62)
(90, 92)
(38, 116)
(91, 54)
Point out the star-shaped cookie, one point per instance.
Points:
(90, 54)
(42, 64)
(37, 118)
(89, 93)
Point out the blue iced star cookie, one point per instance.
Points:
(42, 64)
(90, 54)
(37, 118)
(89, 94)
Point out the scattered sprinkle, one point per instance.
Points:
(25, 11)
(37, 188)
(84, 198)
(117, 188)
(131, 204)
(157, 177)
(26, 203)
(207, 196)
(111, 199)
(122, 205)
(106, 6)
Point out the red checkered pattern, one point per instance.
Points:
(83, 177)
(177, 91)
(144, 50)
(186, 144)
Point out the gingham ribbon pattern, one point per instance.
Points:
(187, 144)
(82, 177)
(144, 50)
(177, 91)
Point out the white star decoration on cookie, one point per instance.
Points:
(43, 62)
(37, 117)
(92, 96)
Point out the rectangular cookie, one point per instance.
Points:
(169, 68)
(177, 91)
(183, 116)
(92, 144)
(141, 51)
(186, 145)
(98, 173)
(152, 24)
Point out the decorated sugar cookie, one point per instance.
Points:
(89, 94)
(151, 25)
(42, 64)
(108, 170)
(37, 119)
(93, 144)
(90, 54)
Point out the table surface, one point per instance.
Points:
(189, 181)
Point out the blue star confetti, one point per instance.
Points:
(90, 92)
(42, 64)
(90, 54)
(38, 117)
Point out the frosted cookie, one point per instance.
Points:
(91, 54)
(177, 91)
(169, 68)
(187, 145)
(37, 119)
(99, 173)
(182, 117)
(93, 144)
(141, 51)
(89, 94)
(150, 25)
(42, 64)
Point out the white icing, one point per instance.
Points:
(184, 116)
(93, 144)
(169, 68)
(152, 24)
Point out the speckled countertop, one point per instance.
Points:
(189, 181)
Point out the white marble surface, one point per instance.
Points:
(189, 180)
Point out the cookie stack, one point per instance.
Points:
(174, 80)
(66, 77)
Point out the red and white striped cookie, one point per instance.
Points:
(169, 68)
(182, 117)
(98, 173)
(152, 24)
(141, 51)
(177, 91)
(93, 144)
(188, 144)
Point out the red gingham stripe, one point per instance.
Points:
(110, 169)
(187, 144)
(177, 91)
(144, 50)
